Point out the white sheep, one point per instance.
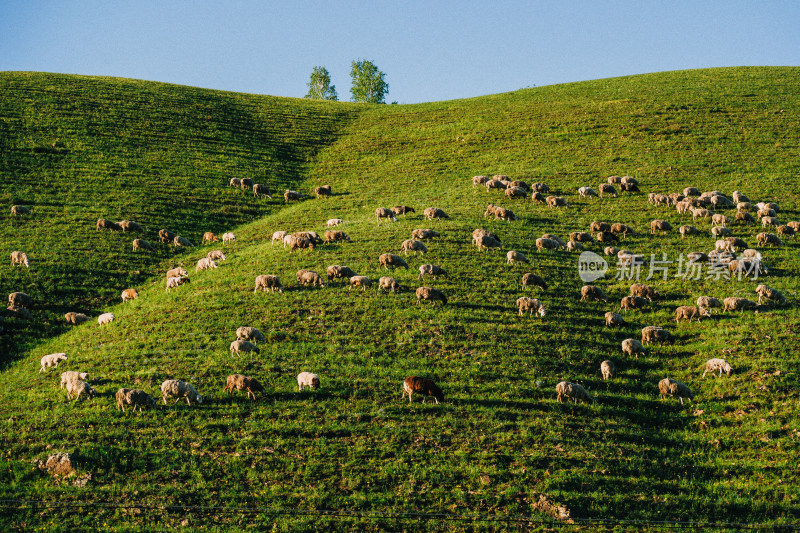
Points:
(19, 258)
(71, 375)
(52, 360)
(633, 347)
(268, 282)
(676, 389)
(307, 379)
(240, 345)
(279, 236)
(77, 387)
(334, 222)
(717, 365)
(228, 237)
(205, 263)
(530, 305)
(175, 282)
(571, 391)
(105, 318)
(216, 255)
(177, 272)
(515, 257)
(413, 246)
(172, 388)
(249, 334)
(608, 369)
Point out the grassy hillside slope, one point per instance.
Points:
(75, 149)
(354, 453)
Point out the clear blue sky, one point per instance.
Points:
(430, 50)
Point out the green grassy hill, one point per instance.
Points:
(500, 452)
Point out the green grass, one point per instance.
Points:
(500, 439)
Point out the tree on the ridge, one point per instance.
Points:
(368, 85)
(319, 86)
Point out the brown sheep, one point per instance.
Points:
(131, 294)
(431, 295)
(166, 236)
(402, 210)
(514, 256)
(424, 234)
(130, 225)
(323, 190)
(555, 201)
(291, 196)
(413, 246)
(383, 212)
(540, 188)
(75, 319)
(18, 210)
(571, 391)
(593, 293)
(768, 238)
(597, 226)
(336, 236)
(479, 232)
(624, 229)
(614, 319)
(530, 305)
(424, 386)
(393, 261)
(209, 237)
(633, 347)
(607, 236)
(339, 272)
(645, 291)
(244, 383)
(581, 236)
(141, 244)
(660, 225)
(431, 270)
(268, 282)
(245, 183)
(107, 224)
(20, 258)
(386, 283)
(651, 334)
(309, 277)
(360, 281)
(687, 231)
(606, 189)
(768, 293)
(516, 192)
(529, 279)
(262, 191)
(607, 369)
(633, 302)
(689, 312)
(432, 213)
(676, 389)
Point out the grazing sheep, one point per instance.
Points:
(261, 191)
(360, 281)
(431, 270)
(529, 279)
(75, 319)
(744, 217)
(52, 360)
(770, 221)
(77, 387)
(105, 318)
(393, 261)
(632, 347)
(581, 236)
(585, 192)
(291, 196)
(495, 184)
(608, 369)
(571, 391)
(279, 236)
(501, 213)
(697, 257)
(687, 231)
(479, 180)
(607, 189)
(132, 294)
(134, 397)
(651, 334)
(768, 205)
(720, 220)
(744, 206)
(248, 333)
(573, 246)
(607, 236)
(739, 197)
(424, 386)
(720, 201)
(519, 183)
(339, 272)
(209, 237)
(107, 224)
(246, 183)
(676, 389)
(530, 305)
(622, 228)
(614, 319)
(332, 222)
(336, 236)
(386, 283)
(707, 302)
(645, 291)
(20, 312)
(684, 206)
(795, 225)
(593, 293)
(431, 295)
(614, 179)
(516, 192)
(323, 190)
(268, 282)
(555, 201)
(239, 346)
(244, 383)
(480, 232)
(689, 312)
(547, 244)
(629, 187)
(309, 277)
(383, 212)
(173, 388)
(72, 375)
(736, 243)
(768, 293)
(228, 237)
(490, 211)
(691, 191)
(141, 244)
(182, 241)
(424, 234)
(205, 263)
(432, 213)
(19, 258)
(177, 281)
(633, 302)
(538, 198)
(766, 213)
(540, 188)
(166, 236)
(701, 213)
(628, 258)
(298, 241)
(717, 365)
(413, 246)
(235, 182)
(216, 255)
(768, 238)
(597, 226)
(130, 225)
(660, 225)
(307, 379)
(786, 230)
(19, 299)
(515, 257)
(719, 231)
(721, 257)
(610, 250)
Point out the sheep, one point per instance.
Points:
(307, 379)
(555, 201)
(393, 261)
(268, 282)
(607, 189)
(770, 221)
(691, 191)
(628, 258)
(516, 192)
(768, 205)
(707, 302)
(719, 231)
(413, 246)
(244, 383)
(684, 206)
(75, 319)
(175, 282)
(501, 213)
(278, 236)
(261, 190)
(581, 236)
(77, 387)
(744, 206)
(245, 183)
(331, 222)
(743, 217)
(102, 223)
(141, 244)
(248, 333)
(538, 198)
(431, 270)
(336, 236)
(768, 238)
(529, 279)
(209, 237)
(573, 246)
(52, 360)
(431, 295)
(72, 375)
(614, 179)
(130, 225)
(547, 244)
(424, 386)
(687, 231)
(593, 293)
(632, 347)
(739, 197)
(383, 212)
(660, 225)
(645, 291)
(432, 213)
(360, 281)
(19, 258)
(291, 196)
(239, 346)
(633, 302)
(736, 243)
(786, 230)
(530, 305)
(585, 192)
(622, 228)
(105, 318)
(659, 199)
(132, 294)
(386, 283)
(479, 180)
(515, 257)
(484, 242)
(614, 319)
(228, 237)
(205, 263)
(717, 365)
(491, 211)
(20, 312)
(540, 188)
(795, 225)
(495, 184)
(235, 182)
(19, 299)
(720, 220)
(721, 257)
(629, 187)
(299, 241)
(610, 250)
(17, 210)
(216, 255)
(676, 389)
(768, 293)
(651, 334)
(597, 226)
(173, 388)
(182, 241)
(607, 369)
(720, 201)
(402, 210)
(701, 213)
(339, 272)
(135, 397)
(477, 233)
(166, 236)
(571, 391)
(424, 234)
(323, 190)
(689, 312)
(766, 213)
